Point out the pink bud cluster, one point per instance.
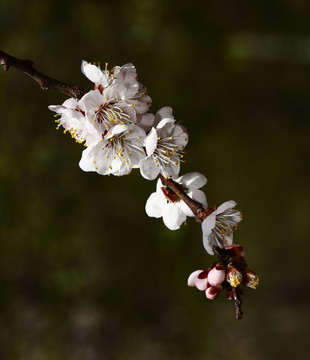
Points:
(226, 274)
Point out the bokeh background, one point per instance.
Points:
(84, 273)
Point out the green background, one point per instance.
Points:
(84, 273)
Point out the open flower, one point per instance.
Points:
(117, 153)
(164, 146)
(103, 78)
(73, 120)
(166, 204)
(118, 87)
(218, 227)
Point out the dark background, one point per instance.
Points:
(84, 273)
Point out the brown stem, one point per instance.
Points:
(195, 206)
(44, 81)
(238, 302)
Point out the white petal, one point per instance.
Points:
(192, 180)
(145, 121)
(207, 245)
(169, 170)
(155, 205)
(159, 185)
(173, 216)
(198, 196)
(208, 224)
(166, 125)
(164, 112)
(148, 168)
(226, 205)
(93, 73)
(86, 162)
(187, 211)
(151, 142)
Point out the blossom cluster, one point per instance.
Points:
(227, 273)
(120, 134)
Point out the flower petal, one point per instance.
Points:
(94, 74)
(226, 205)
(148, 168)
(208, 224)
(154, 205)
(192, 180)
(151, 142)
(173, 216)
(198, 196)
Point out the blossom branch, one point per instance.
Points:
(44, 81)
(195, 206)
(111, 121)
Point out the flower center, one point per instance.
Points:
(170, 195)
(108, 114)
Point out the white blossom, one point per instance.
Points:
(165, 203)
(218, 227)
(105, 77)
(73, 120)
(164, 146)
(117, 153)
(122, 96)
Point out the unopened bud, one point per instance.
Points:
(217, 275)
(234, 276)
(213, 292)
(198, 278)
(250, 279)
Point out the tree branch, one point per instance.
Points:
(196, 207)
(44, 81)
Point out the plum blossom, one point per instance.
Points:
(105, 77)
(166, 204)
(118, 96)
(73, 120)
(117, 153)
(218, 226)
(164, 146)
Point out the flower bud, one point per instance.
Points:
(234, 276)
(250, 279)
(198, 278)
(217, 275)
(213, 292)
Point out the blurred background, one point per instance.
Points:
(84, 273)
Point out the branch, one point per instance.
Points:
(44, 81)
(238, 302)
(195, 206)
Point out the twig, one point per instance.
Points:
(238, 302)
(44, 81)
(195, 206)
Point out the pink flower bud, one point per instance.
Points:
(217, 275)
(234, 276)
(213, 292)
(250, 279)
(198, 278)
